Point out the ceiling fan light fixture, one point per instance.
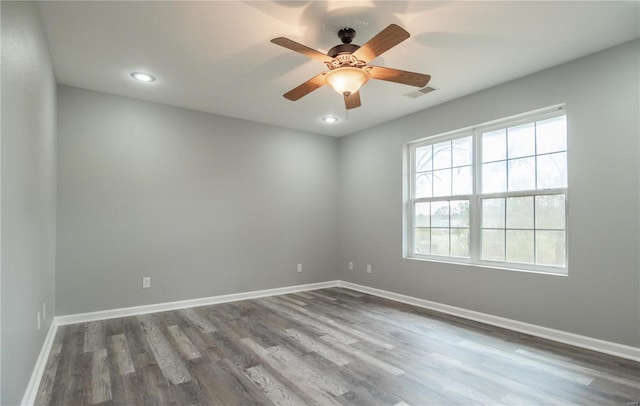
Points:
(347, 80)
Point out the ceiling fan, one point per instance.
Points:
(347, 63)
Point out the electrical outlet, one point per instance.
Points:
(299, 267)
(351, 265)
(38, 320)
(44, 310)
(368, 268)
(146, 282)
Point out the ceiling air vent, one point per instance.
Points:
(420, 92)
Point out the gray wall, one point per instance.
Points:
(203, 204)
(600, 297)
(28, 194)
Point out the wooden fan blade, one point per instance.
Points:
(352, 101)
(306, 88)
(301, 49)
(381, 43)
(399, 76)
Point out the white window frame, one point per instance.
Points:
(475, 199)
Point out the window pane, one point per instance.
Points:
(459, 210)
(440, 241)
(422, 214)
(494, 177)
(550, 212)
(552, 171)
(462, 182)
(442, 182)
(521, 141)
(461, 151)
(522, 174)
(442, 155)
(423, 185)
(551, 135)
(460, 242)
(550, 248)
(493, 245)
(494, 145)
(422, 241)
(520, 212)
(423, 158)
(439, 214)
(493, 213)
(520, 246)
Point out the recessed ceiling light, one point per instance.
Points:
(143, 77)
(330, 119)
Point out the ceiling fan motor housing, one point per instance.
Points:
(346, 35)
(342, 49)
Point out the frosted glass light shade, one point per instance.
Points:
(347, 80)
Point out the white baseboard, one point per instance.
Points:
(184, 304)
(606, 347)
(36, 376)
(589, 343)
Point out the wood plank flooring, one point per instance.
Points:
(325, 347)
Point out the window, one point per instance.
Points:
(493, 195)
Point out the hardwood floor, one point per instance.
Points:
(325, 347)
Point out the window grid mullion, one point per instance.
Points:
(535, 232)
(410, 233)
(535, 168)
(476, 220)
(449, 226)
(506, 158)
(506, 215)
(451, 190)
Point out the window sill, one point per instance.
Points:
(563, 272)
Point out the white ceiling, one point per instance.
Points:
(217, 57)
